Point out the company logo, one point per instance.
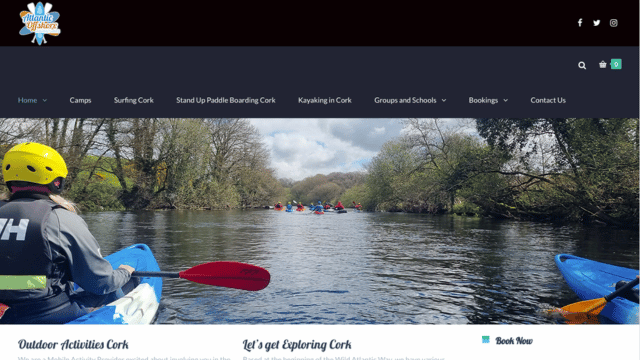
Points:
(485, 340)
(20, 230)
(39, 21)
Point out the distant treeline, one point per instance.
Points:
(325, 188)
(539, 169)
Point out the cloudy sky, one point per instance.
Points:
(306, 147)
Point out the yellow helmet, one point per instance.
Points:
(34, 163)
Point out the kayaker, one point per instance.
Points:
(327, 206)
(300, 206)
(358, 207)
(44, 236)
(319, 207)
(289, 207)
(339, 206)
(278, 205)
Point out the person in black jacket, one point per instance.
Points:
(43, 237)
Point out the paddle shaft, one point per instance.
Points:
(628, 286)
(165, 274)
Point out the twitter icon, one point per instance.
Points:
(596, 22)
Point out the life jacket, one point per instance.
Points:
(25, 250)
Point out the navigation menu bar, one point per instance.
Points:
(306, 82)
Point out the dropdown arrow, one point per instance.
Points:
(443, 100)
(45, 100)
(505, 100)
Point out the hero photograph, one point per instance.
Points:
(319, 221)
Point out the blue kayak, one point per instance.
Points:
(593, 280)
(139, 306)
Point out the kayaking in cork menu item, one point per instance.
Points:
(51, 269)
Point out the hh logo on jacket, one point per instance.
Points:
(20, 230)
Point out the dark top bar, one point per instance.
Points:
(135, 23)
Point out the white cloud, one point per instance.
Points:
(306, 147)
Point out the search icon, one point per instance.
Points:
(582, 65)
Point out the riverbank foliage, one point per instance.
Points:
(539, 169)
(152, 163)
(578, 169)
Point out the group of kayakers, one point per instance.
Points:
(289, 207)
(319, 207)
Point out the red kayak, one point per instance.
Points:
(318, 212)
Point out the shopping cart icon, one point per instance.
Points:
(603, 65)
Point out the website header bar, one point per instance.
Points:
(322, 82)
(311, 24)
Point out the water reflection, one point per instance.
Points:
(364, 268)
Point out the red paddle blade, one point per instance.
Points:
(229, 274)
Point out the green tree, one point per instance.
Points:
(327, 193)
(585, 167)
(357, 194)
(390, 174)
(447, 159)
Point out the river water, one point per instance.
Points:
(364, 268)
